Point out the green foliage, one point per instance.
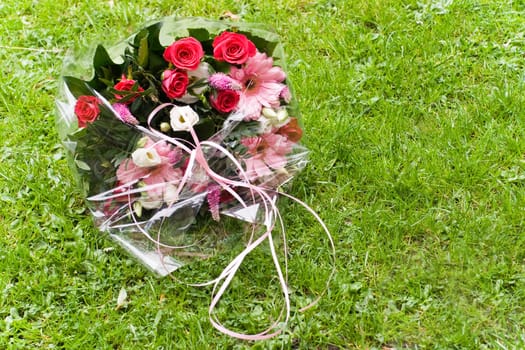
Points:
(413, 112)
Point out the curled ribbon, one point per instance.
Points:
(258, 194)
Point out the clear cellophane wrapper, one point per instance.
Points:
(165, 213)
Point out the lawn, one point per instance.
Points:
(414, 115)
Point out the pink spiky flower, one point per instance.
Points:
(214, 200)
(124, 114)
(221, 81)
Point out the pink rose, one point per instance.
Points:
(127, 85)
(225, 101)
(233, 48)
(87, 110)
(175, 83)
(184, 53)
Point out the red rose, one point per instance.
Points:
(225, 101)
(87, 110)
(292, 131)
(174, 83)
(127, 85)
(233, 48)
(184, 53)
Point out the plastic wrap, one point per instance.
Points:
(180, 125)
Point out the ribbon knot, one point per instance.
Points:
(259, 196)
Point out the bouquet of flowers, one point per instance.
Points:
(186, 121)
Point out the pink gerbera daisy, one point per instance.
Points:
(262, 84)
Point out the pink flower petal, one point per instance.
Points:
(255, 167)
(274, 160)
(261, 83)
(129, 172)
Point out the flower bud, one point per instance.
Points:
(142, 142)
(269, 113)
(137, 208)
(282, 115)
(165, 127)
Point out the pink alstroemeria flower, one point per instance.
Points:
(266, 152)
(163, 173)
(262, 85)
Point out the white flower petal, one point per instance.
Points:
(269, 113)
(146, 157)
(170, 194)
(183, 118)
(121, 299)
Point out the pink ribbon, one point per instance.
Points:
(258, 194)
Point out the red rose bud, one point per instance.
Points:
(174, 83)
(292, 131)
(87, 110)
(184, 53)
(127, 85)
(225, 101)
(233, 48)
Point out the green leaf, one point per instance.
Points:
(205, 128)
(157, 63)
(102, 58)
(264, 41)
(143, 52)
(77, 86)
(108, 83)
(106, 75)
(105, 67)
(200, 34)
(153, 37)
(174, 28)
(82, 165)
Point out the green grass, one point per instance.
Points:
(414, 115)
